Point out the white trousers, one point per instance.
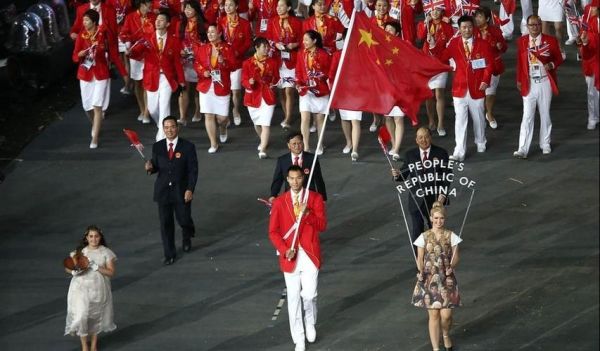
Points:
(593, 98)
(302, 292)
(462, 108)
(159, 104)
(508, 28)
(526, 11)
(540, 95)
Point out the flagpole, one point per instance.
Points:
(320, 141)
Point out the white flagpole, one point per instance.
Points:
(320, 142)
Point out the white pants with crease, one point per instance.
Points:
(302, 292)
(159, 104)
(540, 96)
(593, 98)
(463, 107)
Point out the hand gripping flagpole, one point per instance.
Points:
(320, 142)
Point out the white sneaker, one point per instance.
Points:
(570, 41)
(320, 151)
(441, 132)
(125, 91)
(183, 122)
(332, 115)
(300, 346)
(396, 157)
(564, 55)
(519, 154)
(213, 149)
(493, 124)
(262, 155)
(284, 125)
(354, 156)
(546, 150)
(459, 158)
(197, 119)
(140, 117)
(93, 145)
(237, 120)
(311, 333)
(592, 125)
(480, 148)
(313, 128)
(223, 137)
(146, 120)
(373, 128)
(347, 149)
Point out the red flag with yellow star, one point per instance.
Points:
(379, 71)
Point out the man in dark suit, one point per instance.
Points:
(419, 206)
(301, 158)
(175, 160)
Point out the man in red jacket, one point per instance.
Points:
(474, 63)
(163, 72)
(301, 262)
(538, 57)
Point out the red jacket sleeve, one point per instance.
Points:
(276, 232)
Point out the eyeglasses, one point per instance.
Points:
(534, 25)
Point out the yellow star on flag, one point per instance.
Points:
(395, 51)
(388, 38)
(367, 38)
(388, 62)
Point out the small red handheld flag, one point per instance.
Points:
(135, 141)
(384, 137)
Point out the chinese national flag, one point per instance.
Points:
(380, 71)
(509, 6)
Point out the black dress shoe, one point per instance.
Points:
(168, 261)
(187, 246)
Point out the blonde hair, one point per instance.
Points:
(439, 208)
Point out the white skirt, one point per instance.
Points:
(190, 73)
(551, 10)
(236, 79)
(491, 90)
(313, 104)
(284, 73)
(136, 69)
(347, 115)
(122, 46)
(261, 116)
(94, 93)
(395, 112)
(214, 104)
(438, 81)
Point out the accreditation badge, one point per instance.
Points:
(285, 55)
(215, 74)
(88, 63)
(395, 13)
(478, 63)
(535, 71)
(263, 25)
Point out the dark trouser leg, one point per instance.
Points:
(167, 229)
(183, 213)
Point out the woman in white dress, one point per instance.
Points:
(551, 12)
(89, 301)
(394, 120)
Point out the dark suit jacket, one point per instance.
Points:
(181, 172)
(285, 161)
(414, 155)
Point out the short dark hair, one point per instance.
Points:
(295, 168)
(316, 36)
(291, 135)
(260, 41)
(465, 18)
(172, 118)
(93, 15)
(485, 11)
(166, 14)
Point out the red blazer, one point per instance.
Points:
(169, 61)
(202, 64)
(443, 32)
(258, 13)
(122, 9)
(329, 32)
(346, 5)
(100, 69)
(109, 20)
(134, 28)
(174, 7)
(319, 72)
(494, 37)
(591, 58)
(551, 54)
(212, 11)
(465, 76)
(262, 87)
(240, 39)
(276, 35)
(407, 20)
(283, 218)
